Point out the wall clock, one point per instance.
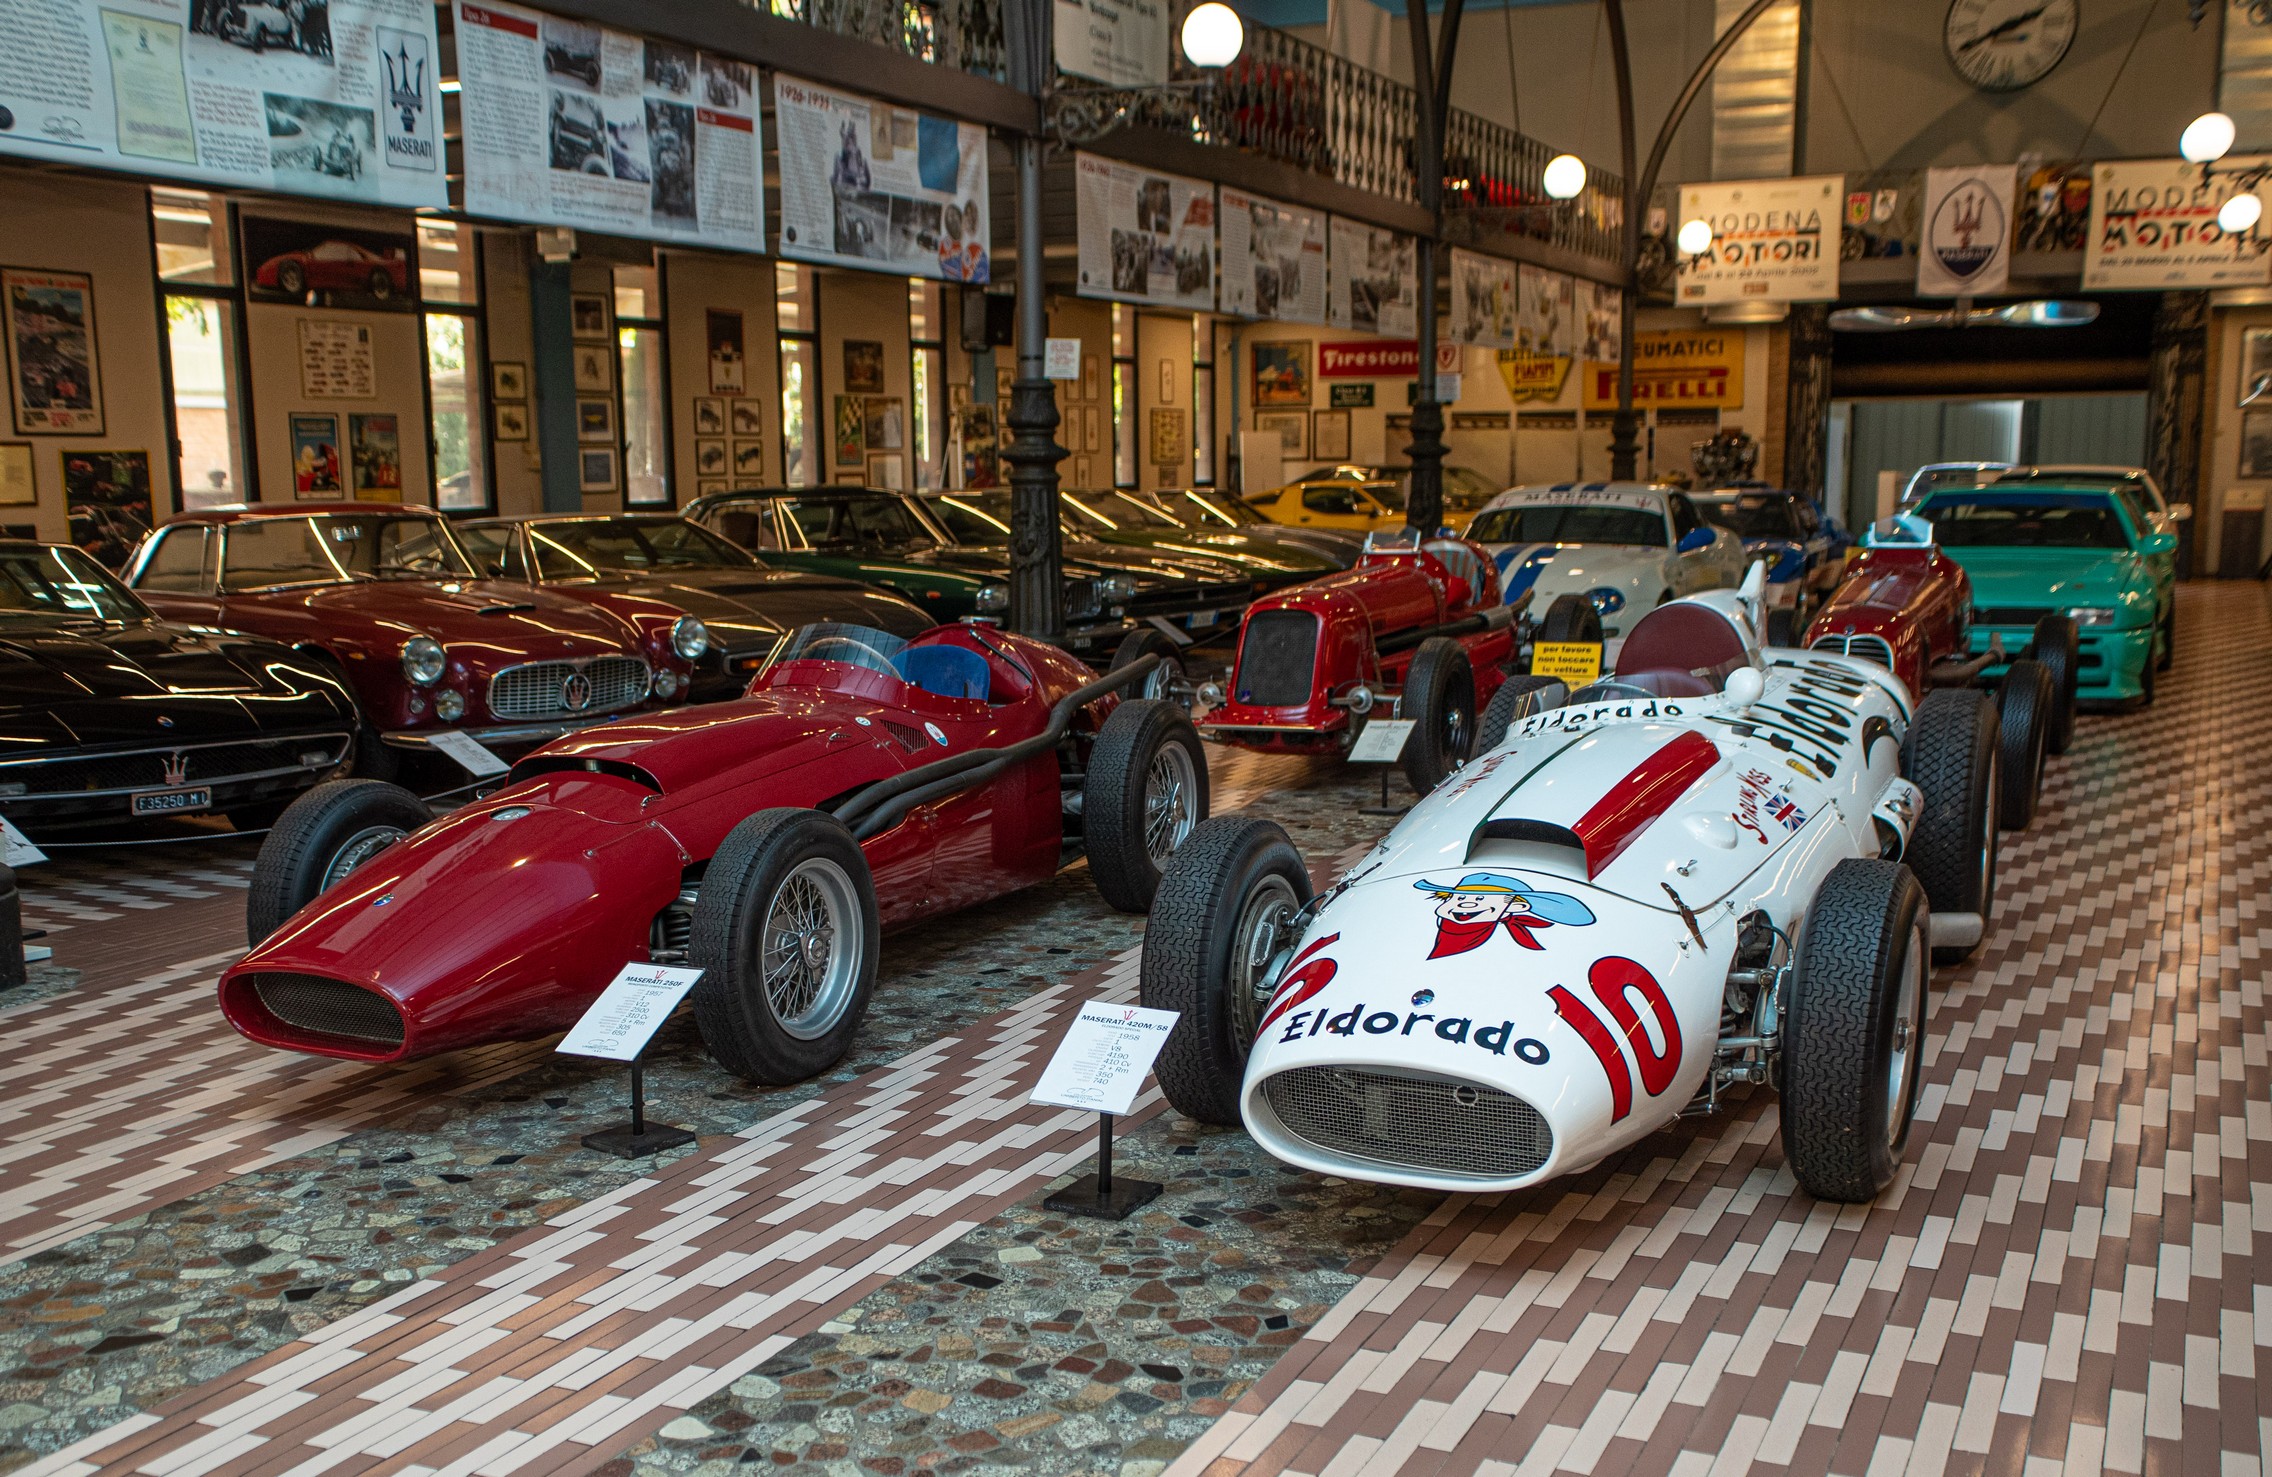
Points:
(2005, 45)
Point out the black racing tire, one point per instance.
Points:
(1951, 755)
(1570, 618)
(1146, 793)
(1516, 699)
(790, 886)
(2024, 704)
(1439, 695)
(2059, 648)
(327, 833)
(1163, 680)
(1223, 914)
(1783, 628)
(2147, 680)
(1853, 1032)
(2168, 657)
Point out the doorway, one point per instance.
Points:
(1876, 443)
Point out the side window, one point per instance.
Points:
(492, 551)
(178, 563)
(1684, 519)
(1327, 498)
(2134, 503)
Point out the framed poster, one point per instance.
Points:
(1282, 373)
(17, 487)
(749, 460)
(337, 360)
(512, 422)
(322, 265)
(594, 374)
(883, 188)
(1089, 377)
(883, 470)
(2256, 443)
(2255, 360)
(375, 452)
(587, 317)
(708, 485)
(851, 429)
(1170, 441)
(595, 420)
(710, 416)
(315, 455)
(885, 423)
(54, 380)
(747, 416)
(723, 331)
(1292, 426)
(710, 458)
(981, 450)
(595, 469)
(508, 380)
(863, 366)
(108, 493)
(1329, 435)
(1092, 419)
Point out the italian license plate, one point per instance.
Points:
(1200, 618)
(170, 802)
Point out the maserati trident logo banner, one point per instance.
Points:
(410, 137)
(1967, 246)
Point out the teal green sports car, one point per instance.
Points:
(2091, 551)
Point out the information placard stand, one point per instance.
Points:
(1382, 742)
(617, 1027)
(1098, 1066)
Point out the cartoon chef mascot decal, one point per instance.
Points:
(1469, 911)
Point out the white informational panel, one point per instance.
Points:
(568, 124)
(618, 1025)
(865, 184)
(16, 849)
(1145, 236)
(1120, 42)
(474, 757)
(1773, 240)
(340, 100)
(1382, 740)
(1483, 300)
(2154, 226)
(1372, 280)
(1102, 1060)
(1273, 259)
(1966, 250)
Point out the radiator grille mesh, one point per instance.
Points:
(1277, 659)
(543, 689)
(330, 1007)
(1434, 1124)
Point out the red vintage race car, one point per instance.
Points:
(1908, 607)
(865, 783)
(1415, 631)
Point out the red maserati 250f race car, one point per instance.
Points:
(863, 783)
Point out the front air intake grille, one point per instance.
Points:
(2009, 615)
(190, 764)
(567, 689)
(327, 1007)
(1277, 659)
(1434, 1124)
(1867, 648)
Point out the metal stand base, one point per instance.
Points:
(1384, 808)
(1116, 1201)
(626, 1143)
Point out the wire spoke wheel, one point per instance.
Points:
(1171, 802)
(809, 952)
(358, 849)
(1257, 941)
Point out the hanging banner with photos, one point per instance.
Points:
(1145, 237)
(569, 124)
(1484, 311)
(1273, 259)
(1372, 280)
(1548, 320)
(2154, 226)
(1604, 309)
(865, 184)
(1122, 43)
(1966, 245)
(340, 100)
(1773, 240)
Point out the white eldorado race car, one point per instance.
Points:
(1597, 556)
(1718, 865)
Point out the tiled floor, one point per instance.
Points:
(2064, 1279)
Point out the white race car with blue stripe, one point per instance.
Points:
(1627, 547)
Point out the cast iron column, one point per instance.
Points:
(1431, 86)
(1625, 426)
(1037, 606)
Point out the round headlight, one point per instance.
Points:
(1116, 587)
(993, 597)
(665, 682)
(449, 705)
(689, 638)
(1605, 600)
(423, 660)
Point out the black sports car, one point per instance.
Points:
(108, 713)
(746, 604)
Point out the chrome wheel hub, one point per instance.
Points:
(1258, 946)
(1171, 802)
(809, 951)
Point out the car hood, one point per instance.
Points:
(749, 607)
(1557, 569)
(2058, 577)
(517, 621)
(1243, 554)
(154, 681)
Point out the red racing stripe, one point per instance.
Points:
(1639, 798)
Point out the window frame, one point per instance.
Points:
(481, 448)
(231, 295)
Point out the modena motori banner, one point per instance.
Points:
(865, 184)
(1772, 241)
(340, 100)
(569, 124)
(1144, 236)
(1273, 262)
(1699, 367)
(2154, 226)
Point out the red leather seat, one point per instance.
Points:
(1681, 651)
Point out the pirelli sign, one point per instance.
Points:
(1684, 367)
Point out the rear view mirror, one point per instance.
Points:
(2179, 512)
(2157, 543)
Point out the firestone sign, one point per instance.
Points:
(1381, 359)
(1772, 241)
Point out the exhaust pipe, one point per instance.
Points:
(1955, 930)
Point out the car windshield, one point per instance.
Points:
(334, 548)
(576, 548)
(1207, 506)
(1752, 515)
(62, 584)
(863, 523)
(835, 641)
(1569, 523)
(2079, 520)
(975, 517)
(1114, 512)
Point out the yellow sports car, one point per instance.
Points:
(1323, 494)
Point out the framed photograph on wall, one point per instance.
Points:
(883, 470)
(863, 366)
(710, 459)
(851, 430)
(587, 315)
(2255, 359)
(595, 420)
(2256, 443)
(315, 455)
(747, 417)
(512, 422)
(54, 380)
(375, 452)
(706, 486)
(595, 372)
(1292, 426)
(723, 330)
(710, 415)
(1090, 379)
(323, 264)
(886, 423)
(595, 469)
(1282, 373)
(1329, 435)
(108, 493)
(508, 380)
(17, 487)
(749, 460)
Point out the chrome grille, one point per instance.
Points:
(542, 690)
(1435, 1124)
(149, 769)
(1867, 648)
(329, 1007)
